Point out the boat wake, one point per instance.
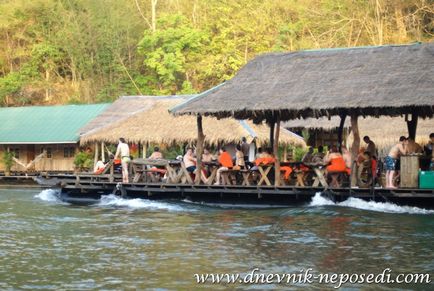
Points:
(232, 205)
(137, 203)
(50, 195)
(387, 207)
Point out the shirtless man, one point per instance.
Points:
(413, 147)
(207, 156)
(392, 158)
(371, 148)
(429, 151)
(190, 161)
(156, 155)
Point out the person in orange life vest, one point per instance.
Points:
(335, 161)
(265, 158)
(225, 160)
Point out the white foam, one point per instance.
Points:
(49, 195)
(116, 201)
(386, 207)
(319, 200)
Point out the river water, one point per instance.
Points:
(139, 244)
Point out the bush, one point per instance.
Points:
(83, 160)
(299, 152)
(8, 160)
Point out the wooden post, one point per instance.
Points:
(355, 147)
(276, 153)
(144, 149)
(285, 153)
(103, 152)
(200, 141)
(412, 125)
(340, 131)
(112, 172)
(95, 160)
(272, 125)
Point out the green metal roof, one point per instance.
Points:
(45, 124)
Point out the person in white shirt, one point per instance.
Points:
(124, 152)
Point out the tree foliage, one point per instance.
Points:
(85, 51)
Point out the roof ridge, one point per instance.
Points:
(194, 98)
(51, 106)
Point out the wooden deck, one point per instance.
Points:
(73, 191)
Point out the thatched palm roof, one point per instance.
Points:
(384, 131)
(384, 80)
(154, 124)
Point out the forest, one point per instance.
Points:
(91, 51)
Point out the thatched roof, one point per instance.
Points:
(120, 110)
(384, 131)
(154, 124)
(383, 80)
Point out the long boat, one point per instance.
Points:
(86, 191)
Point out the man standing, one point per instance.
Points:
(392, 159)
(124, 152)
(371, 149)
(429, 150)
(245, 147)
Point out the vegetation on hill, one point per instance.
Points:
(86, 51)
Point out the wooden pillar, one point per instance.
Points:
(199, 152)
(276, 153)
(272, 125)
(144, 149)
(412, 125)
(112, 172)
(95, 160)
(341, 131)
(103, 152)
(285, 153)
(355, 147)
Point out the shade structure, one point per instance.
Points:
(384, 131)
(152, 122)
(366, 81)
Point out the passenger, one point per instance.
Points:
(373, 164)
(245, 148)
(346, 154)
(156, 155)
(308, 157)
(190, 161)
(124, 152)
(335, 161)
(265, 158)
(391, 161)
(225, 160)
(429, 150)
(239, 158)
(206, 156)
(99, 167)
(361, 157)
(259, 153)
(371, 148)
(413, 147)
(319, 156)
